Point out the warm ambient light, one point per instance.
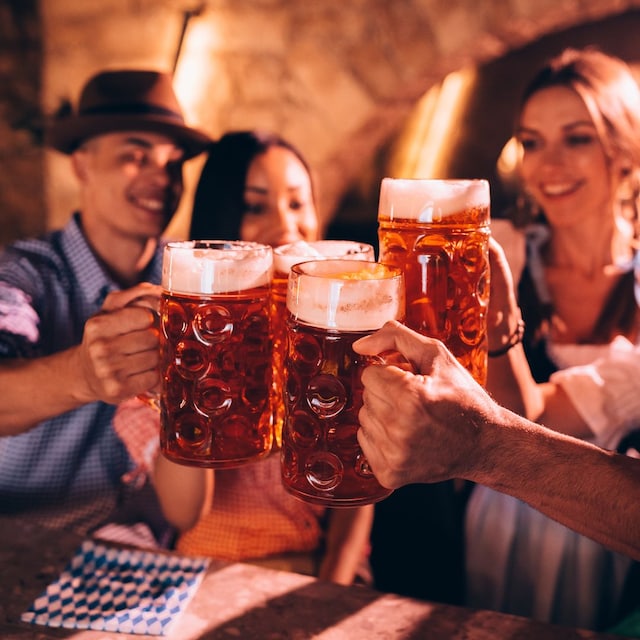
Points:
(423, 148)
(195, 65)
(508, 161)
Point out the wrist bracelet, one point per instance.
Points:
(514, 339)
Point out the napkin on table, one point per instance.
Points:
(121, 590)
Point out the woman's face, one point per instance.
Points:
(564, 166)
(278, 200)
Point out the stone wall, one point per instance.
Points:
(22, 209)
(337, 77)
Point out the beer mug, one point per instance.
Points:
(284, 257)
(330, 305)
(437, 231)
(215, 353)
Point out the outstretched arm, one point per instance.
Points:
(117, 358)
(438, 423)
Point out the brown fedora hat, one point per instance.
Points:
(126, 100)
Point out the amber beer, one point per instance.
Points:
(284, 257)
(330, 305)
(216, 353)
(437, 231)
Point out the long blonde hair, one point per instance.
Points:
(611, 94)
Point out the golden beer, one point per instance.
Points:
(330, 305)
(437, 231)
(284, 257)
(215, 353)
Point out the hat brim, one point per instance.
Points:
(67, 134)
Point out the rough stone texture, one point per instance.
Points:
(337, 78)
(22, 209)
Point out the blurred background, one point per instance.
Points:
(365, 88)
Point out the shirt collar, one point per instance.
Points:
(94, 283)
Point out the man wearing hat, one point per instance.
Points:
(73, 341)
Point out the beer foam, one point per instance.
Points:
(215, 267)
(346, 298)
(285, 256)
(430, 200)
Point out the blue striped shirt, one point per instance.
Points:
(49, 287)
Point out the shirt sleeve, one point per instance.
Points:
(606, 393)
(19, 323)
(138, 426)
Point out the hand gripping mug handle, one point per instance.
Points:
(391, 357)
(151, 302)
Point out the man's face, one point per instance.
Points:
(131, 182)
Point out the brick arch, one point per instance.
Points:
(492, 46)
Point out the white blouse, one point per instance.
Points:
(605, 390)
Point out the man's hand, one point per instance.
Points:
(119, 354)
(418, 427)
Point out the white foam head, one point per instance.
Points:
(211, 267)
(286, 255)
(345, 295)
(430, 200)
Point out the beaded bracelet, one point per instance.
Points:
(514, 339)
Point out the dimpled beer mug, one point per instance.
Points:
(330, 304)
(284, 257)
(216, 353)
(437, 231)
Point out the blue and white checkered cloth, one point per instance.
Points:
(128, 591)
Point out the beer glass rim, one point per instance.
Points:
(362, 246)
(336, 266)
(336, 302)
(435, 200)
(215, 267)
(217, 245)
(321, 250)
(462, 181)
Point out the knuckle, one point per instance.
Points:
(114, 390)
(99, 352)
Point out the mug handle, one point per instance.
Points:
(151, 302)
(391, 357)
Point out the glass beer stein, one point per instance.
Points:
(215, 353)
(284, 257)
(437, 231)
(330, 304)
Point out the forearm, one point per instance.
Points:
(509, 378)
(116, 359)
(39, 389)
(590, 490)
(510, 383)
(184, 492)
(347, 543)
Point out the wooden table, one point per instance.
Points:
(244, 602)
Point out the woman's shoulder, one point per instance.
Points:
(506, 233)
(513, 242)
